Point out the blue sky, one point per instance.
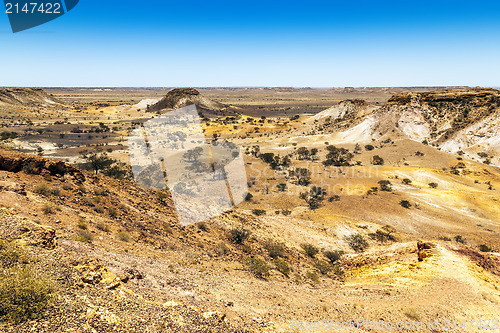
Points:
(258, 43)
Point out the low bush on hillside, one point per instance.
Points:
(333, 256)
(274, 249)
(258, 212)
(84, 236)
(258, 267)
(377, 160)
(239, 235)
(310, 249)
(405, 204)
(385, 185)
(102, 226)
(50, 208)
(484, 248)
(82, 224)
(357, 242)
(459, 239)
(24, 294)
(282, 266)
(322, 266)
(124, 236)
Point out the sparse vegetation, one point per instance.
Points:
(310, 249)
(84, 236)
(322, 266)
(357, 242)
(460, 239)
(102, 226)
(124, 236)
(82, 224)
(282, 266)
(405, 204)
(385, 185)
(313, 277)
(24, 294)
(259, 212)
(484, 248)
(377, 160)
(333, 256)
(258, 267)
(407, 181)
(433, 185)
(275, 249)
(239, 235)
(337, 156)
(50, 208)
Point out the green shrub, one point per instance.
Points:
(50, 208)
(357, 242)
(257, 267)
(24, 294)
(84, 236)
(323, 266)
(484, 248)
(377, 160)
(124, 236)
(82, 224)
(282, 266)
(333, 256)
(369, 147)
(239, 235)
(310, 249)
(313, 277)
(286, 212)
(459, 239)
(10, 255)
(405, 204)
(407, 181)
(42, 188)
(385, 185)
(102, 226)
(433, 185)
(275, 249)
(258, 212)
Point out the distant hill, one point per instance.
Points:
(456, 120)
(181, 97)
(26, 97)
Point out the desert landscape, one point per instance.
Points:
(365, 206)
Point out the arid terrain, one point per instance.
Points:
(367, 205)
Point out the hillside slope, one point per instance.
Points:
(122, 263)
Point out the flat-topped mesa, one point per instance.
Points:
(26, 97)
(181, 97)
(478, 96)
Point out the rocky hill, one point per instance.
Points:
(25, 97)
(180, 97)
(465, 121)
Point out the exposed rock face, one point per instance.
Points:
(14, 162)
(181, 97)
(424, 250)
(25, 97)
(346, 110)
(454, 120)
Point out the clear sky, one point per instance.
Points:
(162, 43)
